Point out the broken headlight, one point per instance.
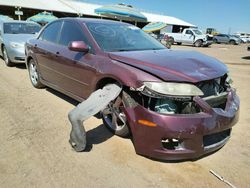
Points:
(172, 89)
(170, 98)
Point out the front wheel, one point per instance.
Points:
(113, 116)
(6, 58)
(198, 43)
(34, 74)
(232, 42)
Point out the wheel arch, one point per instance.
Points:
(107, 80)
(28, 61)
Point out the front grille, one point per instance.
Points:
(217, 101)
(215, 92)
(215, 139)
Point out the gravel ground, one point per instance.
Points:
(35, 130)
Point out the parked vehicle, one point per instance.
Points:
(164, 39)
(245, 39)
(236, 36)
(175, 104)
(13, 35)
(211, 31)
(190, 36)
(229, 39)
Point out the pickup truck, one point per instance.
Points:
(191, 36)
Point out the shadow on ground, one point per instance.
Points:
(97, 135)
(62, 96)
(246, 58)
(20, 66)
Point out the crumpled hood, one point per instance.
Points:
(173, 65)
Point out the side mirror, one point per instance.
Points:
(78, 46)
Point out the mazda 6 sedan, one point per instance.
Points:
(174, 104)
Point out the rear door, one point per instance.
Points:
(45, 49)
(76, 70)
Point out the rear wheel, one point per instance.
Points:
(34, 74)
(179, 43)
(113, 116)
(215, 40)
(6, 58)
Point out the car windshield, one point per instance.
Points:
(122, 37)
(21, 28)
(197, 32)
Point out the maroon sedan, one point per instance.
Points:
(175, 104)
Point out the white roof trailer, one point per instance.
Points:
(82, 8)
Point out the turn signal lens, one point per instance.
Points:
(147, 123)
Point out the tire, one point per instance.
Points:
(171, 40)
(215, 40)
(232, 42)
(114, 118)
(198, 43)
(6, 58)
(179, 43)
(34, 74)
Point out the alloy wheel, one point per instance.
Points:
(114, 116)
(33, 73)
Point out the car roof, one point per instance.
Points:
(93, 20)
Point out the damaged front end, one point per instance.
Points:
(187, 120)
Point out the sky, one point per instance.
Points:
(224, 15)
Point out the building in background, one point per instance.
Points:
(22, 9)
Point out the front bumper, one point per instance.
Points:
(207, 43)
(191, 130)
(16, 55)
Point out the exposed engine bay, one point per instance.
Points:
(214, 93)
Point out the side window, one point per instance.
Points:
(71, 32)
(189, 32)
(51, 32)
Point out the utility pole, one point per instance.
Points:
(18, 12)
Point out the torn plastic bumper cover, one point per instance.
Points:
(96, 102)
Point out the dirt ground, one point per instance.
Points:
(34, 133)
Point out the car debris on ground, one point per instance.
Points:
(221, 178)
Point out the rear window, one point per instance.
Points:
(21, 28)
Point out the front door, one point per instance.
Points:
(188, 37)
(76, 70)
